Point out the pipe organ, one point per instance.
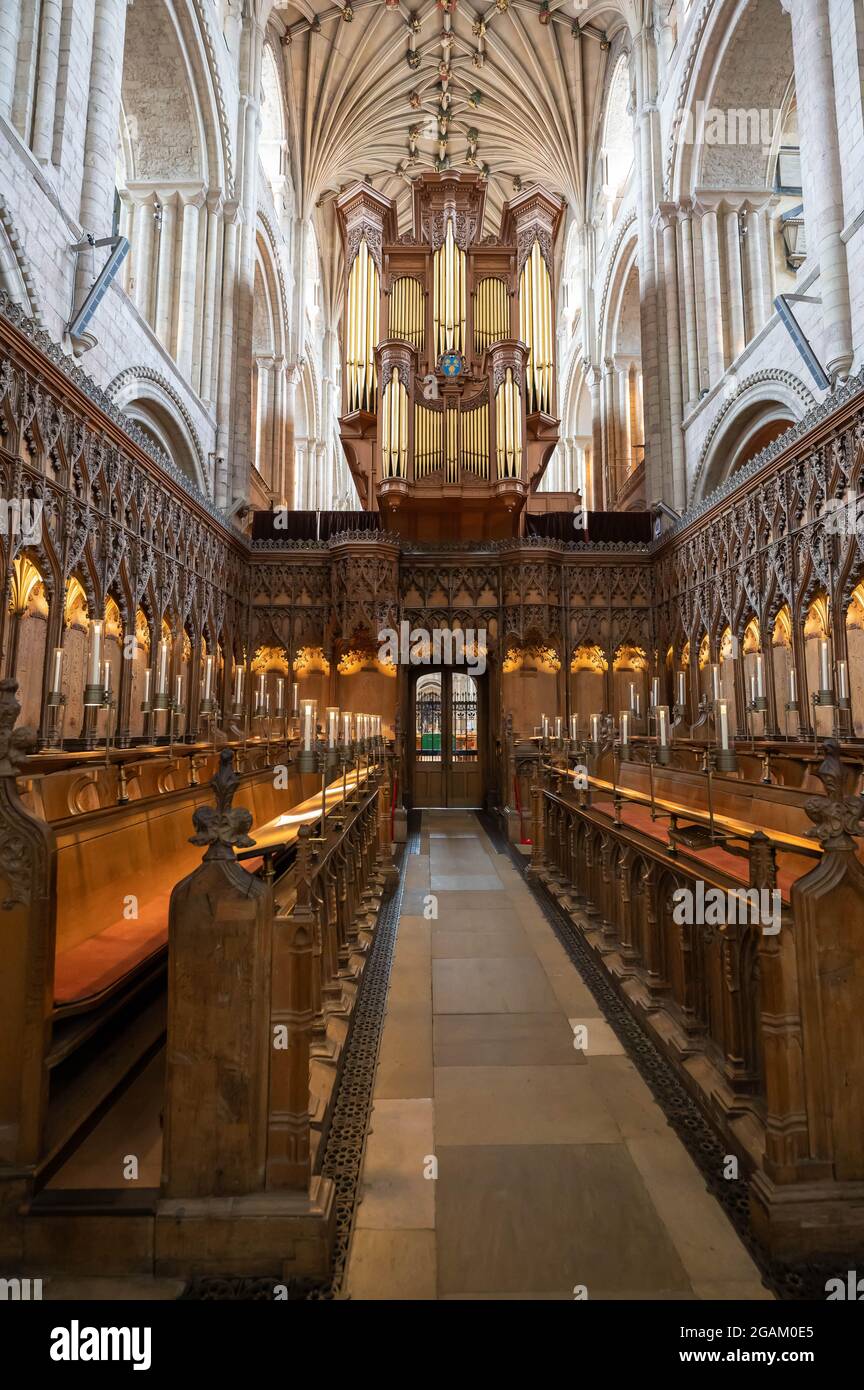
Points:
(449, 353)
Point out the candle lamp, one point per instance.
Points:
(842, 677)
(280, 697)
(207, 702)
(624, 732)
(308, 760)
(661, 719)
(726, 757)
(825, 693)
(716, 689)
(237, 701)
(559, 729)
(655, 692)
(332, 730)
(594, 744)
(160, 697)
(56, 684)
(574, 728)
(260, 691)
(792, 702)
(56, 702)
(760, 699)
(94, 688)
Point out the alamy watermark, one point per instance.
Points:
(844, 516)
(722, 907)
(443, 646)
(21, 516)
(727, 125)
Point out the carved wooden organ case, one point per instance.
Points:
(449, 392)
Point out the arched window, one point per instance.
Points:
(617, 143)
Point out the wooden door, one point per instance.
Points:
(447, 768)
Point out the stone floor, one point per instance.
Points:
(502, 1161)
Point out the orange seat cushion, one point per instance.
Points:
(639, 817)
(92, 966)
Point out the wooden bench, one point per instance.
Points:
(116, 869)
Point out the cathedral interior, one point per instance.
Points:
(432, 650)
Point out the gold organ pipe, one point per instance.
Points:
(491, 314)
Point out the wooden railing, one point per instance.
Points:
(756, 1007)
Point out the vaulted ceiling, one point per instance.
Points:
(492, 88)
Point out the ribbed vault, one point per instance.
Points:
(513, 90)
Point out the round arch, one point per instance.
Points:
(760, 411)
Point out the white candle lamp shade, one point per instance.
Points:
(826, 693)
(295, 699)
(261, 695)
(716, 687)
(594, 722)
(308, 760)
(759, 698)
(559, 729)
(331, 730)
(655, 692)
(238, 691)
(726, 759)
(147, 693)
(347, 730)
(662, 726)
(841, 675)
(55, 694)
(280, 697)
(574, 728)
(624, 730)
(545, 727)
(207, 702)
(94, 688)
(681, 693)
(160, 696)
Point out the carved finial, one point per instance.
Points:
(15, 744)
(837, 818)
(226, 827)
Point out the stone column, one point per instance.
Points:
(144, 234)
(263, 457)
(821, 174)
(737, 335)
(713, 296)
(214, 216)
(165, 271)
(609, 436)
(10, 13)
(595, 501)
(759, 302)
(291, 378)
(320, 467)
(233, 217)
(42, 143)
(685, 223)
(188, 283)
(103, 116)
(277, 484)
(25, 58)
(667, 220)
(648, 156)
(301, 467)
(625, 452)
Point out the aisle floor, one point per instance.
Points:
(503, 1161)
